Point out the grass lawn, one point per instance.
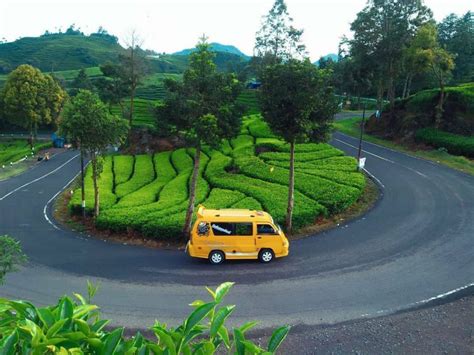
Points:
(351, 127)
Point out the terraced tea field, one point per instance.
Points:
(149, 193)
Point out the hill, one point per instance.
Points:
(56, 52)
(332, 56)
(217, 47)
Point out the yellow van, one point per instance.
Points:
(223, 234)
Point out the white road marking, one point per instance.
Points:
(37, 179)
(45, 213)
(374, 177)
(365, 151)
(411, 305)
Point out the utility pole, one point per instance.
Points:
(362, 125)
(83, 204)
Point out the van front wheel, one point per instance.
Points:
(266, 255)
(216, 257)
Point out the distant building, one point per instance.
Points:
(253, 84)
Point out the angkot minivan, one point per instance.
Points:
(226, 234)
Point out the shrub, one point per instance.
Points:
(303, 157)
(455, 144)
(123, 168)
(74, 326)
(143, 173)
(149, 193)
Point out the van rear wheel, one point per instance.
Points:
(216, 257)
(266, 255)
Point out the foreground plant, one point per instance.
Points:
(11, 256)
(75, 327)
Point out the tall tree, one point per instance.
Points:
(382, 30)
(431, 56)
(298, 104)
(277, 40)
(113, 87)
(456, 35)
(88, 122)
(31, 98)
(133, 66)
(202, 109)
(81, 81)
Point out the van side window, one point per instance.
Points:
(224, 228)
(265, 229)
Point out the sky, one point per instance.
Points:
(171, 25)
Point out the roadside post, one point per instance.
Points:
(360, 163)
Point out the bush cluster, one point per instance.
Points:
(152, 197)
(453, 143)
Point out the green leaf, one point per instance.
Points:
(277, 338)
(56, 327)
(99, 325)
(197, 316)
(84, 310)
(211, 292)
(112, 341)
(166, 339)
(46, 316)
(95, 343)
(224, 334)
(155, 349)
(219, 319)
(7, 345)
(197, 303)
(80, 298)
(204, 348)
(222, 290)
(247, 326)
(252, 348)
(82, 326)
(238, 340)
(66, 308)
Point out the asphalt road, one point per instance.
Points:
(417, 243)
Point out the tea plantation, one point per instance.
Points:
(149, 193)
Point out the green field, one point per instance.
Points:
(149, 193)
(12, 150)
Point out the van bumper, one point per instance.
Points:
(283, 253)
(191, 251)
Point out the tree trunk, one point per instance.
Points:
(439, 107)
(192, 193)
(96, 185)
(132, 102)
(409, 85)
(405, 86)
(379, 96)
(291, 189)
(83, 193)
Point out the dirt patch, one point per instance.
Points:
(86, 225)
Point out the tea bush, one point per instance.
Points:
(454, 143)
(250, 171)
(75, 326)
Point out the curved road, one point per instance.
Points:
(417, 243)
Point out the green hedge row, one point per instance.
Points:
(123, 168)
(339, 163)
(143, 174)
(453, 143)
(305, 156)
(334, 196)
(272, 197)
(149, 193)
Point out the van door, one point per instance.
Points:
(235, 239)
(268, 238)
